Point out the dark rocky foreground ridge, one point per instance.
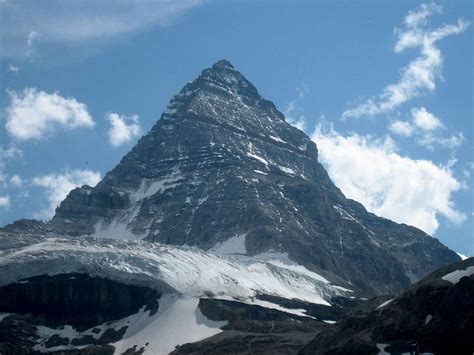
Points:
(434, 316)
(222, 165)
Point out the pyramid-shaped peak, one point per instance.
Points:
(222, 64)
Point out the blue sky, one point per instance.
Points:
(383, 87)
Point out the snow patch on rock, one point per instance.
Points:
(457, 275)
(233, 245)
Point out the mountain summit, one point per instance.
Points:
(222, 170)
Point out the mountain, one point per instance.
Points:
(435, 316)
(219, 232)
(223, 171)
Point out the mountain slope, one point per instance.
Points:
(223, 170)
(435, 316)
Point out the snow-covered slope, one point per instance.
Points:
(182, 270)
(182, 275)
(178, 321)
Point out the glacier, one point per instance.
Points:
(187, 271)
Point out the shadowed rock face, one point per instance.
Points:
(75, 299)
(222, 162)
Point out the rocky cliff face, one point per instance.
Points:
(223, 169)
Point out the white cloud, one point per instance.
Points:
(419, 16)
(120, 132)
(425, 120)
(59, 185)
(16, 181)
(13, 68)
(432, 141)
(419, 76)
(7, 154)
(368, 170)
(427, 131)
(401, 128)
(4, 201)
(33, 114)
(78, 22)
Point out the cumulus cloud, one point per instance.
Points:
(419, 76)
(78, 22)
(369, 170)
(120, 132)
(401, 128)
(425, 120)
(34, 114)
(4, 201)
(57, 187)
(428, 130)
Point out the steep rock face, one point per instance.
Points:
(222, 168)
(68, 313)
(75, 299)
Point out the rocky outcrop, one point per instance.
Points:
(435, 316)
(252, 329)
(77, 301)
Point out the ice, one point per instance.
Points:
(169, 269)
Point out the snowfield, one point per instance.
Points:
(186, 271)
